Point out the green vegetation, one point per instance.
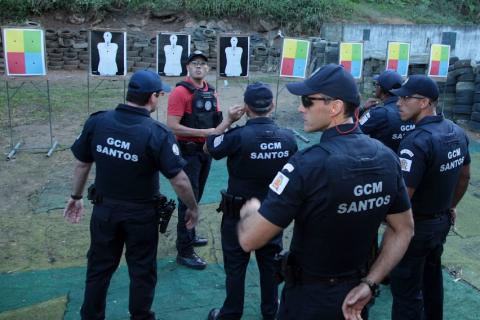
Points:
(301, 16)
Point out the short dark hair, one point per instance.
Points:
(349, 108)
(140, 98)
(260, 112)
(385, 91)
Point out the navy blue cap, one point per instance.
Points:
(145, 81)
(332, 80)
(389, 80)
(195, 54)
(258, 96)
(419, 84)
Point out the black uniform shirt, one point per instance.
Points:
(255, 153)
(338, 192)
(129, 148)
(383, 123)
(431, 157)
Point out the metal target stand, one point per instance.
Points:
(10, 96)
(35, 41)
(91, 92)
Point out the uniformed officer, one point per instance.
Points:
(255, 152)
(383, 122)
(436, 168)
(129, 149)
(338, 192)
(193, 114)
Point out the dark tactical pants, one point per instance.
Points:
(417, 281)
(112, 227)
(235, 264)
(316, 301)
(197, 169)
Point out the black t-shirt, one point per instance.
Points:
(256, 152)
(431, 157)
(338, 192)
(384, 123)
(129, 148)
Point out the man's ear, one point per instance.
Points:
(336, 107)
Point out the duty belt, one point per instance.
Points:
(330, 280)
(190, 147)
(423, 217)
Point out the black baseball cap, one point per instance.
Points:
(389, 80)
(195, 54)
(258, 96)
(332, 80)
(419, 84)
(145, 81)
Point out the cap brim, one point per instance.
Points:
(299, 89)
(196, 56)
(166, 87)
(401, 92)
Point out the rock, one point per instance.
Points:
(159, 13)
(59, 16)
(169, 19)
(76, 19)
(190, 25)
(268, 26)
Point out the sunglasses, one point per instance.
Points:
(307, 101)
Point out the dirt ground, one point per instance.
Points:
(34, 187)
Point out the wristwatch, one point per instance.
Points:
(372, 285)
(75, 197)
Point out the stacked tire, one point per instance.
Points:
(448, 93)
(464, 90)
(475, 117)
(2, 60)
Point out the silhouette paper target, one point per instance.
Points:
(233, 55)
(108, 55)
(173, 50)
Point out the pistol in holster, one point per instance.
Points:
(230, 204)
(164, 209)
(93, 195)
(285, 269)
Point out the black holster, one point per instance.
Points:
(164, 209)
(93, 195)
(230, 205)
(285, 270)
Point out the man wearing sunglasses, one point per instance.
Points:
(129, 150)
(193, 114)
(337, 191)
(383, 122)
(436, 169)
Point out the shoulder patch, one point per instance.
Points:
(405, 164)
(289, 167)
(364, 118)
(217, 141)
(407, 152)
(175, 149)
(279, 183)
